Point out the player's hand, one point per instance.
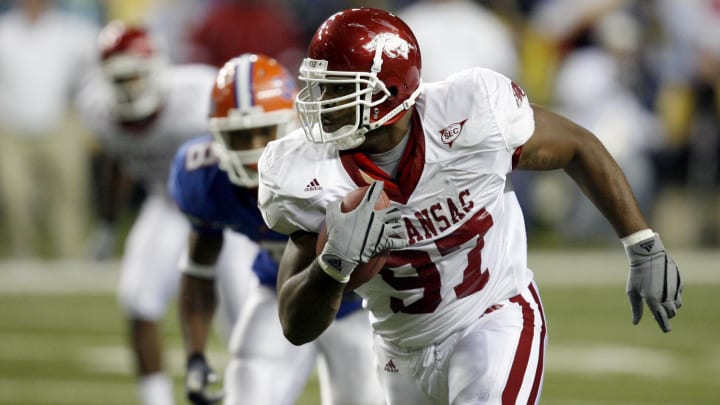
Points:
(199, 377)
(358, 235)
(654, 277)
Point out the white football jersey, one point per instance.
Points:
(146, 153)
(468, 248)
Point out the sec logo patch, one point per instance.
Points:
(449, 134)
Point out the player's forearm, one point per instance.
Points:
(602, 180)
(197, 308)
(308, 303)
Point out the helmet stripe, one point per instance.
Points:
(243, 84)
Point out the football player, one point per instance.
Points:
(457, 316)
(214, 181)
(142, 109)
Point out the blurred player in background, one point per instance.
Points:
(214, 181)
(456, 313)
(142, 109)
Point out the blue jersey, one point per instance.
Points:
(205, 194)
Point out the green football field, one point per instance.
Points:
(62, 339)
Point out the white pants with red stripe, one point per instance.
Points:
(499, 359)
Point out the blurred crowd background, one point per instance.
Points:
(642, 75)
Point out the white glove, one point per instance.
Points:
(356, 236)
(654, 277)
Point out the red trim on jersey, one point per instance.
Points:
(522, 353)
(534, 394)
(516, 157)
(359, 167)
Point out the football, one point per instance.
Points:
(364, 271)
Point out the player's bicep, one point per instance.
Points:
(553, 144)
(299, 253)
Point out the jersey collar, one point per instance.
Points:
(362, 170)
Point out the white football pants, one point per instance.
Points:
(150, 274)
(498, 360)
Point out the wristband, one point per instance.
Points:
(330, 271)
(638, 236)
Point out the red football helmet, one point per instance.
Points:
(134, 66)
(367, 59)
(251, 104)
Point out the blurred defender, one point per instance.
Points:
(214, 181)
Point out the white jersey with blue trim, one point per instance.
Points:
(468, 248)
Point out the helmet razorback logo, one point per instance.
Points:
(393, 45)
(449, 134)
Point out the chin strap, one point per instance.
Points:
(397, 110)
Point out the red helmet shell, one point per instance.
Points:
(117, 38)
(346, 42)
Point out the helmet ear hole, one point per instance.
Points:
(393, 91)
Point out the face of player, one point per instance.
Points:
(240, 150)
(248, 139)
(343, 108)
(130, 88)
(137, 95)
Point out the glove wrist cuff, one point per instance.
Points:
(638, 236)
(644, 249)
(332, 272)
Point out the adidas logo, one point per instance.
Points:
(335, 264)
(648, 245)
(390, 367)
(314, 185)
